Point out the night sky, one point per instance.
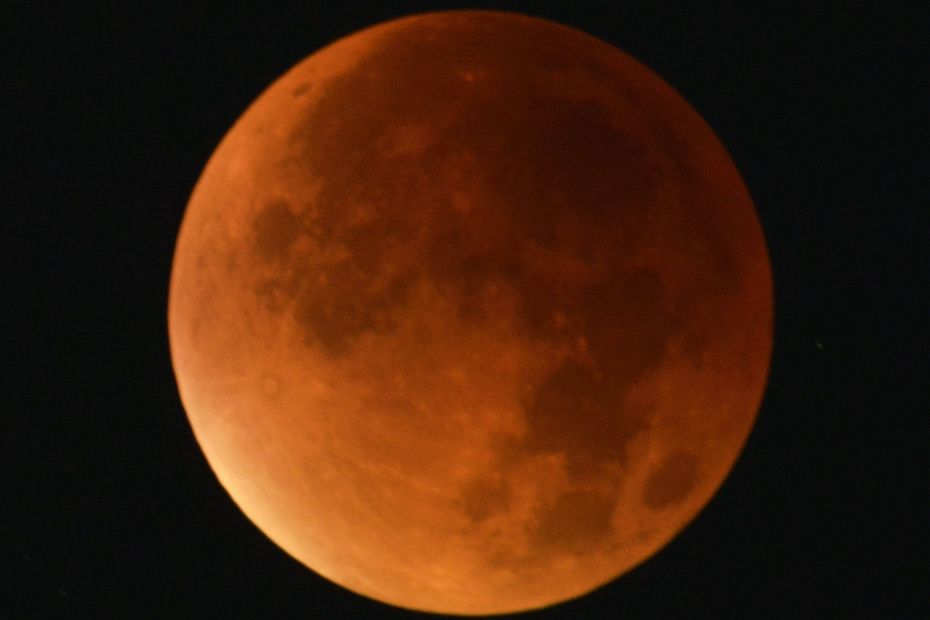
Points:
(109, 509)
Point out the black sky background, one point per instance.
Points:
(109, 509)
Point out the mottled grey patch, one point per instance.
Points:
(704, 219)
(337, 309)
(578, 413)
(275, 229)
(578, 522)
(484, 497)
(462, 263)
(581, 409)
(670, 482)
(628, 325)
(275, 293)
(569, 149)
(545, 170)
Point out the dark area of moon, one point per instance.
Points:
(470, 312)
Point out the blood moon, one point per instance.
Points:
(470, 312)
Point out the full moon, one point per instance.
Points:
(470, 312)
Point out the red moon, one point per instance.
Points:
(470, 312)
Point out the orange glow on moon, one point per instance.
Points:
(470, 312)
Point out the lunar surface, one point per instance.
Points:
(470, 312)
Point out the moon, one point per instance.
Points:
(470, 312)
